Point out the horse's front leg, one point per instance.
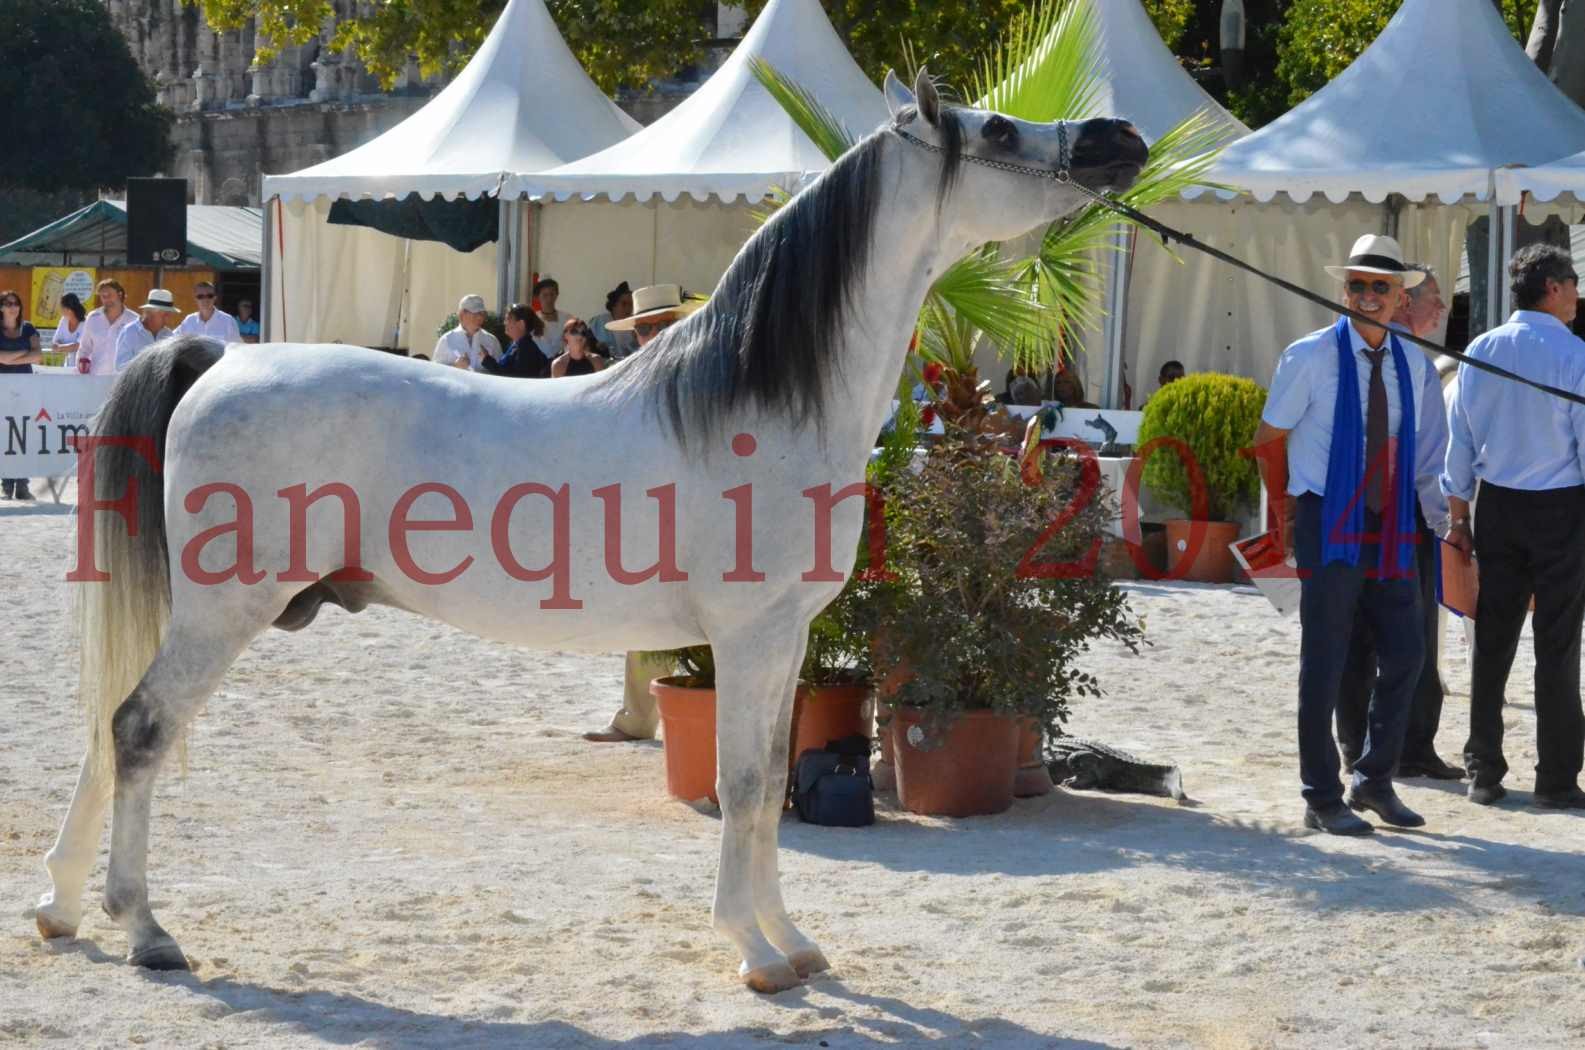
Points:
(754, 676)
(804, 955)
(60, 911)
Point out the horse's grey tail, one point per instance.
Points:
(122, 613)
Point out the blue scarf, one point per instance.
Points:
(1343, 504)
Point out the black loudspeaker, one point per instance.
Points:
(157, 222)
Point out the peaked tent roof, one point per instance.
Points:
(1442, 98)
(224, 238)
(1140, 80)
(521, 104)
(729, 138)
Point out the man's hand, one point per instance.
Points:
(1290, 507)
(1461, 538)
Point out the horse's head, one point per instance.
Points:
(999, 170)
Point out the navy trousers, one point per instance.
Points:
(1331, 598)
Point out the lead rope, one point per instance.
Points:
(1063, 174)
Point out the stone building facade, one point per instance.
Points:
(237, 118)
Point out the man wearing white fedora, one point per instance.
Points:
(153, 325)
(1344, 410)
(655, 309)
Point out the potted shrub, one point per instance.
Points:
(1200, 426)
(977, 640)
(835, 696)
(686, 702)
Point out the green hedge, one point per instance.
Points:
(1216, 416)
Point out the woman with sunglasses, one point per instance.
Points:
(19, 349)
(582, 354)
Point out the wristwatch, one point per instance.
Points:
(1458, 523)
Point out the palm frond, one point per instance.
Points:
(823, 127)
(1045, 68)
(990, 295)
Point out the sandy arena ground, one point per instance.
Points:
(392, 836)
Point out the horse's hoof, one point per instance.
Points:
(51, 927)
(809, 960)
(161, 955)
(768, 980)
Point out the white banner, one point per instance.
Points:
(41, 414)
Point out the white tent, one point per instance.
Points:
(1440, 100)
(1544, 182)
(676, 198)
(522, 103)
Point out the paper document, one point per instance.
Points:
(1457, 582)
(1271, 571)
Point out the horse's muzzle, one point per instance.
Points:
(1108, 153)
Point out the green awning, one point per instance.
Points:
(219, 238)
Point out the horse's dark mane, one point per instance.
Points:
(769, 333)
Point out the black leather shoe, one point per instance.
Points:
(1568, 798)
(1335, 820)
(1487, 794)
(1386, 804)
(1432, 767)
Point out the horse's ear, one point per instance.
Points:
(929, 101)
(898, 98)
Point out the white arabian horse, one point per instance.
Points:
(690, 494)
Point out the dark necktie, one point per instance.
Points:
(1376, 436)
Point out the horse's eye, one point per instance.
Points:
(1001, 131)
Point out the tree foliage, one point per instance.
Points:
(83, 115)
(631, 43)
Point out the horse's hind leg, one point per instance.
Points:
(754, 676)
(189, 666)
(72, 857)
(804, 955)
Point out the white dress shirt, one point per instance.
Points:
(455, 346)
(97, 340)
(221, 326)
(1509, 434)
(1303, 400)
(133, 340)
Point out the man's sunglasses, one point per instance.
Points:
(1358, 286)
(204, 295)
(651, 327)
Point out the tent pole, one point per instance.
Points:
(1510, 237)
(503, 254)
(1493, 263)
(267, 272)
(1116, 318)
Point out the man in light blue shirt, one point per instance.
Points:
(1420, 315)
(1526, 448)
(1344, 407)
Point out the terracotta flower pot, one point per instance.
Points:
(687, 716)
(1033, 779)
(1212, 562)
(829, 712)
(968, 772)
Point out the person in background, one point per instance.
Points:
(546, 292)
(208, 319)
(152, 326)
(1170, 372)
(1526, 450)
(96, 350)
(582, 356)
(468, 344)
(618, 304)
(655, 309)
(70, 329)
(247, 324)
(1069, 389)
(1421, 315)
(1343, 397)
(521, 359)
(19, 349)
